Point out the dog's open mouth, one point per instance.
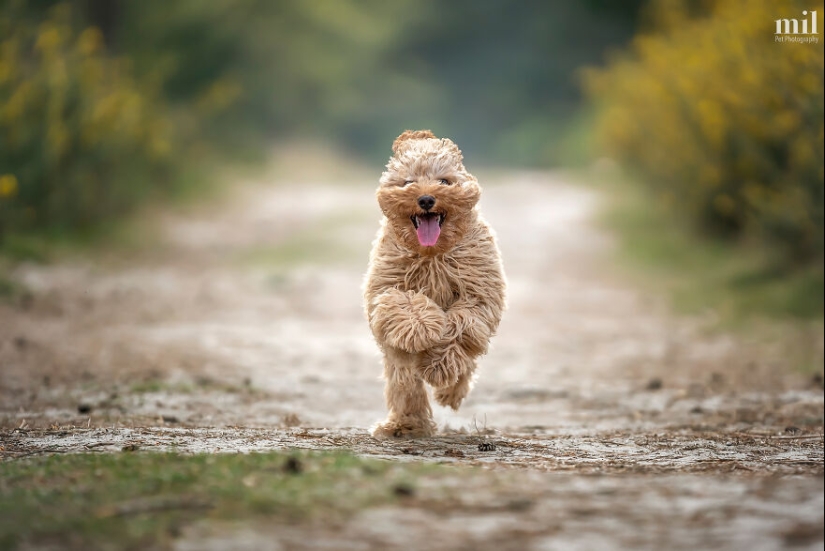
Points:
(427, 227)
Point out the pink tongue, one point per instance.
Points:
(428, 230)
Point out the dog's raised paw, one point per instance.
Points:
(439, 375)
(452, 396)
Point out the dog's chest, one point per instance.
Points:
(436, 278)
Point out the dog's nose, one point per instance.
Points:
(426, 202)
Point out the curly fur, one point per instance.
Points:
(432, 309)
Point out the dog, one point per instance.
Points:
(434, 291)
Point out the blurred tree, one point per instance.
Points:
(723, 123)
(104, 15)
(507, 70)
(80, 139)
(496, 75)
(229, 75)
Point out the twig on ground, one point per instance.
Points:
(99, 444)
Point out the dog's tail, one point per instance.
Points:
(410, 135)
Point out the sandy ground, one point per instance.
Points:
(614, 423)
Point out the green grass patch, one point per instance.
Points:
(153, 385)
(141, 500)
(45, 246)
(156, 385)
(318, 244)
(11, 290)
(301, 249)
(737, 281)
(8, 288)
(135, 230)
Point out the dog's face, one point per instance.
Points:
(426, 194)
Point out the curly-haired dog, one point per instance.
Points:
(434, 291)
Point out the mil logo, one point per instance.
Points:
(796, 30)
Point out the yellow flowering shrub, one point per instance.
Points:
(721, 120)
(80, 140)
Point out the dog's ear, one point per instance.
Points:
(410, 135)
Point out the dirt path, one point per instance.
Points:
(242, 330)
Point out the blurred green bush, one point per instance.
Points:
(106, 102)
(722, 122)
(80, 139)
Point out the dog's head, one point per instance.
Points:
(426, 194)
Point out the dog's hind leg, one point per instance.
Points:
(410, 414)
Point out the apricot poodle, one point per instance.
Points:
(434, 290)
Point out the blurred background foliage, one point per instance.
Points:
(102, 101)
(105, 103)
(724, 124)
(80, 136)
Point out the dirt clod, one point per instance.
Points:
(520, 504)
(293, 465)
(654, 384)
(403, 490)
(802, 534)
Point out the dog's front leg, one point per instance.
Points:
(450, 366)
(409, 414)
(471, 325)
(408, 320)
